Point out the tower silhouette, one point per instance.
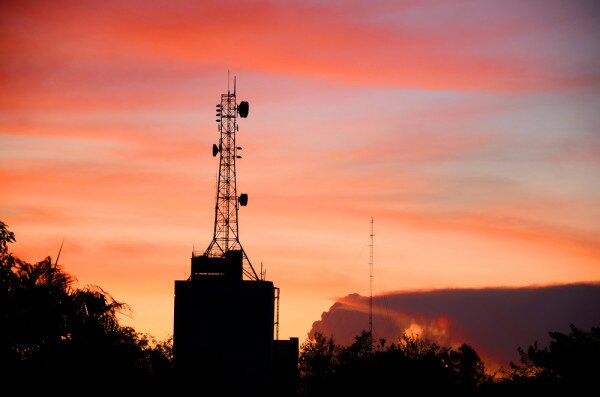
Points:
(224, 312)
(226, 228)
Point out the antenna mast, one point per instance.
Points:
(371, 281)
(225, 234)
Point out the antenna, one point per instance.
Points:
(371, 281)
(277, 292)
(263, 272)
(226, 231)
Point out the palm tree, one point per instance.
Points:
(49, 326)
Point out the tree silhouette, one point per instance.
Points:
(51, 328)
(569, 360)
(469, 370)
(318, 362)
(370, 368)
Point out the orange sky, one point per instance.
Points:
(468, 130)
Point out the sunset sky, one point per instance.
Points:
(469, 131)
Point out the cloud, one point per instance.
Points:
(499, 226)
(495, 321)
(420, 46)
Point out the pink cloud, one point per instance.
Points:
(304, 40)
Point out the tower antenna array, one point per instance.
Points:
(226, 231)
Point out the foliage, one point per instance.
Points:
(570, 359)
(6, 237)
(370, 368)
(567, 366)
(51, 327)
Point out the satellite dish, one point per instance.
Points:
(215, 150)
(243, 109)
(243, 199)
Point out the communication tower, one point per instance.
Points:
(225, 315)
(226, 228)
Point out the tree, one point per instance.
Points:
(6, 237)
(368, 368)
(569, 360)
(52, 328)
(317, 363)
(469, 370)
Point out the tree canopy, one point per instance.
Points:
(570, 359)
(369, 367)
(51, 327)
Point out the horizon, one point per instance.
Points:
(468, 131)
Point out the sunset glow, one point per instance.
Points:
(468, 130)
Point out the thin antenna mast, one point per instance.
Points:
(277, 313)
(371, 281)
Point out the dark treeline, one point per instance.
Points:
(570, 363)
(54, 335)
(368, 367)
(57, 334)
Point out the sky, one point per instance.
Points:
(468, 130)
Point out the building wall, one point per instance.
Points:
(285, 367)
(223, 333)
